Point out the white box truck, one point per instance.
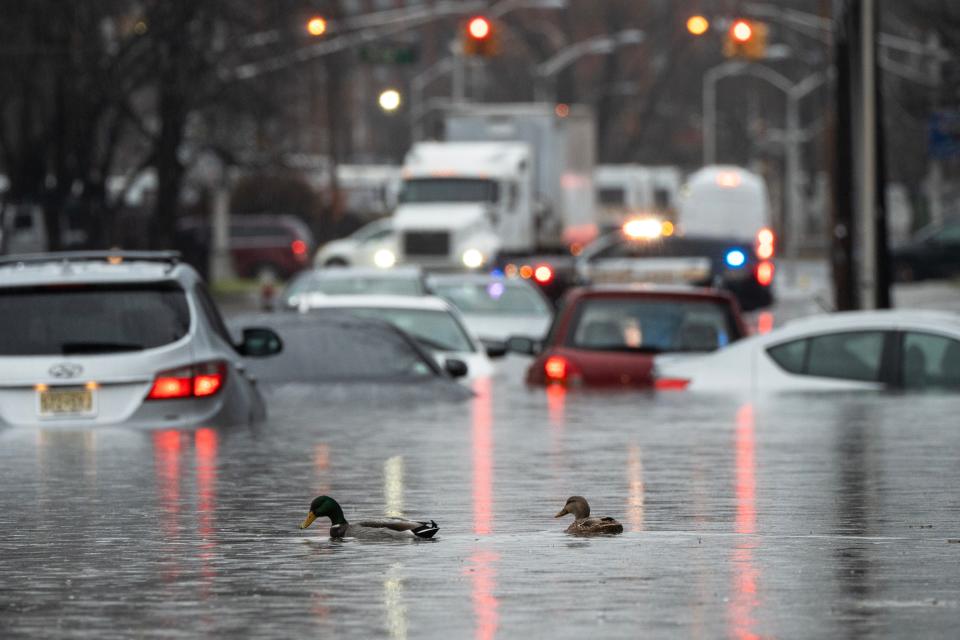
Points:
(510, 180)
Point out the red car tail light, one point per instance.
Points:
(556, 368)
(196, 381)
(671, 384)
(299, 250)
(765, 273)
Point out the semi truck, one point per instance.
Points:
(508, 182)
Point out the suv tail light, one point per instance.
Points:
(194, 381)
(299, 249)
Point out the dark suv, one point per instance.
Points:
(266, 244)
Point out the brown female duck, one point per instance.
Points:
(583, 524)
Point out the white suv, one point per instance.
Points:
(93, 338)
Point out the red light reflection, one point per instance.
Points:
(482, 569)
(482, 457)
(166, 445)
(745, 574)
(205, 447)
(764, 322)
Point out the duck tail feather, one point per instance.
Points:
(426, 530)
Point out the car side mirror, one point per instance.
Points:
(260, 342)
(456, 368)
(494, 348)
(523, 345)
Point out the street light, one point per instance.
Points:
(390, 100)
(698, 25)
(317, 26)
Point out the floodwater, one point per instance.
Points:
(799, 516)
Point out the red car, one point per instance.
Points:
(608, 336)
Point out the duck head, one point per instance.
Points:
(577, 506)
(324, 506)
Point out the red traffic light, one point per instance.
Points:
(741, 31)
(478, 28)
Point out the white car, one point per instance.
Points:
(432, 321)
(372, 245)
(493, 307)
(853, 351)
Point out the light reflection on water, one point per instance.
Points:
(741, 519)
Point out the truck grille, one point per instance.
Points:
(426, 243)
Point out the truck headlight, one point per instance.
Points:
(472, 259)
(384, 258)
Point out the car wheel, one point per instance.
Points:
(335, 262)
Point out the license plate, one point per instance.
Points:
(66, 401)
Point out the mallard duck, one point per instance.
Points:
(379, 527)
(583, 524)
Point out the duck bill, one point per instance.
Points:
(306, 523)
(562, 513)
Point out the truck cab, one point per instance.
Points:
(462, 204)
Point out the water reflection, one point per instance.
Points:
(393, 486)
(205, 448)
(321, 468)
(483, 574)
(482, 441)
(764, 322)
(635, 479)
(393, 602)
(166, 453)
(745, 574)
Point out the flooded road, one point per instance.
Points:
(812, 516)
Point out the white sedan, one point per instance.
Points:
(432, 321)
(860, 350)
(372, 245)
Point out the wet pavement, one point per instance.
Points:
(793, 516)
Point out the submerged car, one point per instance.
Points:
(329, 350)
(608, 336)
(431, 321)
(399, 281)
(494, 307)
(849, 351)
(96, 338)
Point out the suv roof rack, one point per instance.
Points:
(165, 257)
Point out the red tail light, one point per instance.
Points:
(299, 247)
(543, 274)
(671, 384)
(556, 368)
(765, 243)
(765, 273)
(196, 381)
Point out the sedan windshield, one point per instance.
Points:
(87, 319)
(449, 190)
(494, 298)
(435, 329)
(651, 325)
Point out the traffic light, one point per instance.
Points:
(746, 39)
(480, 38)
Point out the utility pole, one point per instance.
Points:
(860, 256)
